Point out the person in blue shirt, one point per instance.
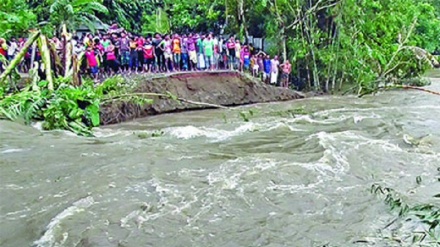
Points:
(267, 69)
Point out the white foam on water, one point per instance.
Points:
(371, 109)
(293, 188)
(309, 119)
(171, 202)
(283, 124)
(12, 150)
(186, 157)
(240, 168)
(14, 187)
(189, 132)
(331, 166)
(37, 125)
(49, 237)
(104, 133)
(16, 214)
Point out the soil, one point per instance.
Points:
(225, 88)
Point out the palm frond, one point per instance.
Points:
(69, 9)
(95, 7)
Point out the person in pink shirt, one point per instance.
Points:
(140, 44)
(111, 59)
(92, 62)
(245, 58)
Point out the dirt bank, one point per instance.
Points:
(224, 88)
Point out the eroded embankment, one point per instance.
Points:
(224, 88)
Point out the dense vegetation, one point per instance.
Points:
(333, 43)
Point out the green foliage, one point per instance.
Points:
(364, 43)
(74, 13)
(426, 216)
(145, 135)
(127, 13)
(15, 18)
(76, 109)
(291, 112)
(156, 23)
(246, 115)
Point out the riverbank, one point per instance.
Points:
(221, 88)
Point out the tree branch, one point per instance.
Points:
(167, 96)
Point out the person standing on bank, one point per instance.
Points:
(185, 57)
(267, 69)
(287, 68)
(208, 45)
(274, 63)
(177, 52)
(231, 52)
(191, 46)
(201, 52)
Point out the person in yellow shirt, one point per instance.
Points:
(88, 40)
(133, 54)
(177, 51)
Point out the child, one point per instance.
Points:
(255, 66)
(92, 63)
(246, 58)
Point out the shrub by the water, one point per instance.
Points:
(73, 108)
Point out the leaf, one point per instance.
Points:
(93, 112)
(172, 96)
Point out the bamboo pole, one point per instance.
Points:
(45, 56)
(75, 74)
(412, 88)
(33, 72)
(34, 52)
(67, 51)
(17, 59)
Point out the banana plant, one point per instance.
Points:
(67, 51)
(17, 59)
(45, 56)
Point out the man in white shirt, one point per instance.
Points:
(274, 64)
(216, 52)
(13, 48)
(78, 49)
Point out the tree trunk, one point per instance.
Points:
(241, 19)
(76, 79)
(45, 56)
(283, 43)
(17, 59)
(67, 51)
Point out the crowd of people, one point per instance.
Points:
(118, 51)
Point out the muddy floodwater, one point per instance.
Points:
(210, 178)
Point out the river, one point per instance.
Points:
(209, 178)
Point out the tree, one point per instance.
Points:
(127, 13)
(74, 13)
(15, 18)
(156, 23)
